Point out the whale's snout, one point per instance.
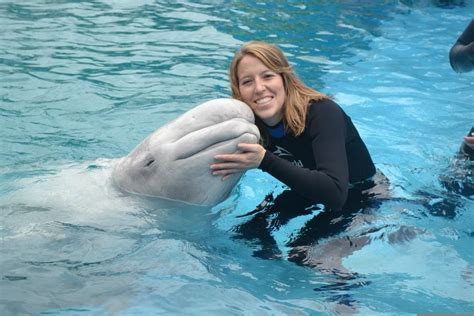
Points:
(223, 136)
(174, 161)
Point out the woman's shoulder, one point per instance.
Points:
(325, 106)
(324, 115)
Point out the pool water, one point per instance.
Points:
(83, 82)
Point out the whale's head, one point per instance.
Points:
(174, 161)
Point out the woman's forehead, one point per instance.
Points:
(251, 64)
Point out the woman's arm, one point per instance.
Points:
(329, 183)
(461, 55)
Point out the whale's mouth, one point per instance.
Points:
(228, 145)
(225, 135)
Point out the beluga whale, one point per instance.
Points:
(173, 163)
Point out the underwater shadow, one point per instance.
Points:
(457, 184)
(321, 231)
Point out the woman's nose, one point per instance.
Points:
(259, 86)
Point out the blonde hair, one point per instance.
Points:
(298, 95)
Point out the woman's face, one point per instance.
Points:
(262, 89)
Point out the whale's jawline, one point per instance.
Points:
(162, 197)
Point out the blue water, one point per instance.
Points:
(82, 82)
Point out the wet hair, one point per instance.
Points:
(298, 95)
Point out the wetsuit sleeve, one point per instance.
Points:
(467, 35)
(461, 55)
(328, 184)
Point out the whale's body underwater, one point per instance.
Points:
(174, 161)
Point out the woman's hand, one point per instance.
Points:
(250, 157)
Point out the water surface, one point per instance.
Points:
(83, 82)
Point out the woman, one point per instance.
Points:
(309, 143)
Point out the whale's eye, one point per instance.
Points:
(150, 162)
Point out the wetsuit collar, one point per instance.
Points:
(276, 131)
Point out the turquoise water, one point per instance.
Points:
(83, 82)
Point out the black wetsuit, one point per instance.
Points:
(323, 162)
(327, 164)
(467, 35)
